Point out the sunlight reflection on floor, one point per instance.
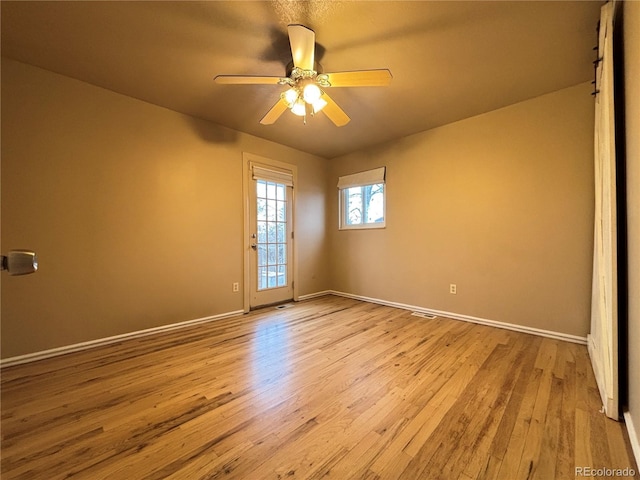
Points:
(270, 360)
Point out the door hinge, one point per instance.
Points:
(291, 234)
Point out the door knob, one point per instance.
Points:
(254, 246)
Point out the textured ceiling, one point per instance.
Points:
(449, 60)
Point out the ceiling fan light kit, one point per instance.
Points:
(304, 92)
(305, 95)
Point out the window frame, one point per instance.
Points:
(343, 205)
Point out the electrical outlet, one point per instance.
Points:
(236, 287)
(453, 289)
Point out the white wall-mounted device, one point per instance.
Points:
(19, 262)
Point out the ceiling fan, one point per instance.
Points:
(306, 95)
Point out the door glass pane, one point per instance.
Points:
(271, 210)
(262, 190)
(282, 232)
(262, 278)
(262, 209)
(271, 234)
(281, 211)
(271, 190)
(271, 277)
(271, 252)
(262, 232)
(282, 254)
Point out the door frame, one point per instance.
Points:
(247, 182)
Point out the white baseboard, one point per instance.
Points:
(634, 436)
(467, 318)
(314, 295)
(54, 352)
(77, 347)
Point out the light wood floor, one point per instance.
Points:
(330, 387)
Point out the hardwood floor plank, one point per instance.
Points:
(548, 454)
(469, 417)
(519, 434)
(531, 452)
(484, 447)
(565, 460)
(328, 388)
(501, 439)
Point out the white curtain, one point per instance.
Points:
(603, 338)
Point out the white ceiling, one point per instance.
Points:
(449, 60)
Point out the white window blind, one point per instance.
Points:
(369, 177)
(271, 174)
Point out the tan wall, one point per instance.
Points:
(631, 12)
(135, 212)
(500, 204)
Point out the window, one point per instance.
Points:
(362, 199)
(271, 241)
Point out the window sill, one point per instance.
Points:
(368, 226)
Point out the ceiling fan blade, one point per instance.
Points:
(361, 78)
(334, 112)
(246, 80)
(275, 112)
(303, 46)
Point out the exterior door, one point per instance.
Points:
(270, 228)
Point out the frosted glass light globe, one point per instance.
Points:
(311, 93)
(290, 96)
(299, 108)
